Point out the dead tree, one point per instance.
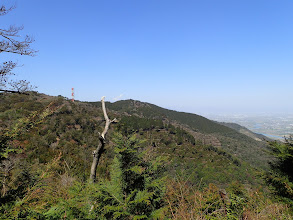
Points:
(98, 152)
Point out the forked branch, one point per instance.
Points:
(98, 152)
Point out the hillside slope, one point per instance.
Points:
(209, 132)
(46, 146)
(245, 131)
(73, 130)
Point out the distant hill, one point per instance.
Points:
(245, 131)
(240, 143)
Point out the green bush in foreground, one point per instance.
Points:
(136, 188)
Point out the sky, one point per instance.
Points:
(198, 56)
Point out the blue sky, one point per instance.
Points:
(208, 56)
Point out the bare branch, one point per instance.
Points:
(4, 10)
(11, 91)
(108, 122)
(11, 45)
(21, 86)
(11, 41)
(11, 31)
(5, 70)
(98, 152)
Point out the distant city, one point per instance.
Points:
(273, 126)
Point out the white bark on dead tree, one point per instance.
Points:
(98, 152)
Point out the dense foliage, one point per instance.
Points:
(136, 186)
(244, 147)
(46, 147)
(281, 175)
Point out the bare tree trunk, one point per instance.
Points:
(98, 152)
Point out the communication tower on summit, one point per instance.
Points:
(72, 94)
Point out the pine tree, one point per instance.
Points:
(136, 186)
(281, 175)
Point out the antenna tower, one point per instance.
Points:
(72, 94)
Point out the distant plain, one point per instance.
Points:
(274, 126)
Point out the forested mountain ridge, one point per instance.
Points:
(46, 154)
(209, 132)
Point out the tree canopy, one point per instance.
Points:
(281, 176)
